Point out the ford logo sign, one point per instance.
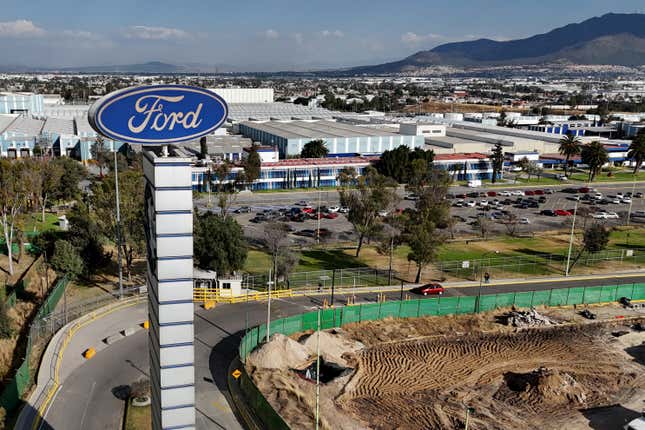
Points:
(158, 114)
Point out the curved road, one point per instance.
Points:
(88, 398)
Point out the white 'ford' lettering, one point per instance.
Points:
(151, 110)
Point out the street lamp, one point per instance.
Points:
(481, 276)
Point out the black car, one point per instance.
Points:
(586, 313)
(242, 210)
(534, 205)
(570, 190)
(547, 212)
(638, 195)
(259, 218)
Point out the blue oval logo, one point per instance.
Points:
(158, 114)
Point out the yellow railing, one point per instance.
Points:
(203, 295)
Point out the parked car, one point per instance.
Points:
(548, 191)
(562, 212)
(574, 198)
(612, 215)
(243, 210)
(614, 200)
(459, 204)
(460, 196)
(529, 193)
(569, 190)
(638, 214)
(471, 204)
(344, 210)
(331, 215)
(638, 195)
(548, 212)
(597, 196)
(626, 200)
(524, 220)
(259, 218)
(459, 218)
(584, 190)
(539, 192)
(302, 203)
(586, 313)
(491, 194)
(504, 193)
(383, 213)
(411, 196)
(308, 210)
(599, 215)
(333, 209)
(483, 203)
(432, 288)
(299, 217)
(517, 193)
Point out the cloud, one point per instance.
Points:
(271, 34)
(330, 33)
(299, 38)
(414, 38)
(155, 33)
(20, 28)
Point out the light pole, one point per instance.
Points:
(118, 221)
(573, 226)
(481, 278)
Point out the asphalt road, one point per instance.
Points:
(88, 399)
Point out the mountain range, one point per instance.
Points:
(612, 39)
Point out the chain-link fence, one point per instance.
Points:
(339, 278)
(537, 264)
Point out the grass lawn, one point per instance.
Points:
(616, 176)
(138, 418)
(540, 181)
(258, 261)
(32, 222)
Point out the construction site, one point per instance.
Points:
(538, 368)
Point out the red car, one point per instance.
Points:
(308, 210)
(432, 288)
(529, 193)
(539, 192)
(584, 190)
(331, 215)
(562, 212)
(492, 194)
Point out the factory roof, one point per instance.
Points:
(26, 126)
(460, 156)
(328, 161)
(59, 126)
(6, 120)
(277, 110)
(83, 126)
(316, 129)
(218, 145)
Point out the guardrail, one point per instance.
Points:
(336, 317)
(215, 295)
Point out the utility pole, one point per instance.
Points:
(118, 222)
(573, 226)
(268, 305)
(318, 373)
(318, 219)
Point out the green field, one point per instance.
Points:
(138, 418)
(616, 176)
(32, 222)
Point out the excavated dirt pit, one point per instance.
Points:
(535, 378)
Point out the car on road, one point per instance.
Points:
(242, 210)
(428, 289)
(562, 212)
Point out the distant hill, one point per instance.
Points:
(615, 39)
(150, 67)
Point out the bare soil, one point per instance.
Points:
(424, 372)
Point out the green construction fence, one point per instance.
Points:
(23, 378)
(336, 317)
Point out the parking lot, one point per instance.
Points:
(528, 205)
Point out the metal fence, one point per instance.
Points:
(340, 278)
(336, 317)
(537, 264)
(22, 380)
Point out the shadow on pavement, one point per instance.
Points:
(609, 417)
(31, 413)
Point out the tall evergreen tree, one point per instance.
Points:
(497, 159)
(637, 150)
(595, 156)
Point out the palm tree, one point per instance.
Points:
(569, 147)
(595, 156)
(637, 150)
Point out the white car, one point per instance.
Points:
(597, 196)
(302, 203)
(483, 203)
(626, 200)
(383, 213)
(471, 204)
(599, 215)
(635, 424)
(460, 204)
(638, 214)
(611, 215)
(620, 195)
(517, 193)
(333, 209)
(614, 200)
(525, 220)
(504, 193)
(343, 210)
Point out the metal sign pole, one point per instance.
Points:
(118, 224)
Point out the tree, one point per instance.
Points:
(595, 239)
(252, 165)
(533, 169)
(497, 160)
(85, 235)
(203, 148)
(423, 241)
(637, 150)
(100, 153)
(219, 243)
(275, 239)
(45, 179)
(66, 259)
(314, 149)
(569, 147)
(6, 327)
(595, 156)
(511, 222)
(287, 260)
(13, 198)
(346, 177)
(484, 225)
(374, 193)
(69, 185)
(225, 193)
(397, 163)
(131, 206)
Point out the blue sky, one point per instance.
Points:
(268, 34)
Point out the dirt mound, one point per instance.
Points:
(280, 352)
(334, 346)
(530, 318)
(546, 386)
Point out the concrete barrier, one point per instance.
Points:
(89, 353)
(130, 331)
(113, 338)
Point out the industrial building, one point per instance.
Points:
(22, 103)
(244, 95)
(340, 138)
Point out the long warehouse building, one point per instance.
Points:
(340, 138)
